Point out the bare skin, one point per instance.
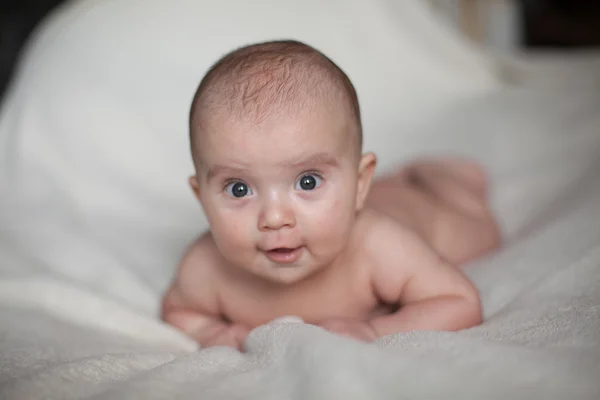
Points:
(419, 223)
(297, 228)
(445, 202)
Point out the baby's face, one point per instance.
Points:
(281, 197)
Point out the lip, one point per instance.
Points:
(284, 255)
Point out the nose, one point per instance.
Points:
(276, 214)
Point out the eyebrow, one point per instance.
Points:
(218, 169)
(315, 159)
(319, 159)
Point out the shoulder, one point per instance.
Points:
(385, 237)
(395, 252)
(195, 280)
(201, 251)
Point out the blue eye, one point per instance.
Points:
(308, 182)
(238, 189)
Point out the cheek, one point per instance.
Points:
(231, 230)
(329, 222)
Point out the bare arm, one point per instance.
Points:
(432, 294)
(191, 304)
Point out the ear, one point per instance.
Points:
(366, 169)
(194, 185)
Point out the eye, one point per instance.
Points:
(308, 182)
(238, 189)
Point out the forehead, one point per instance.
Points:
(278, 140)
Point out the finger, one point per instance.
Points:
(226, 338)
(240, 330)
(209, 335)
(369, 333)
(240, 333)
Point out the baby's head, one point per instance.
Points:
(276, 140)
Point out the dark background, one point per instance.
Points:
(565, 24)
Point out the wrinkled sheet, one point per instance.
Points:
(541, 337)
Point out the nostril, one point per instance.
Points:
(276, 219)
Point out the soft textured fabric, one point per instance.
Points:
(540, 338)
(95, 211)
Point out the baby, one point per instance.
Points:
(276, 141)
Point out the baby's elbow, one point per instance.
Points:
(171, 300)
(472, 313)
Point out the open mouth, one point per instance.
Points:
(284, 255)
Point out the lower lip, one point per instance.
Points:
(284, 257)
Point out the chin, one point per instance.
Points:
(288, 275)
(287, 278)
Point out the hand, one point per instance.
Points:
(222, 334)
(352, 328)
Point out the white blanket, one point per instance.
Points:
(90, 232)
